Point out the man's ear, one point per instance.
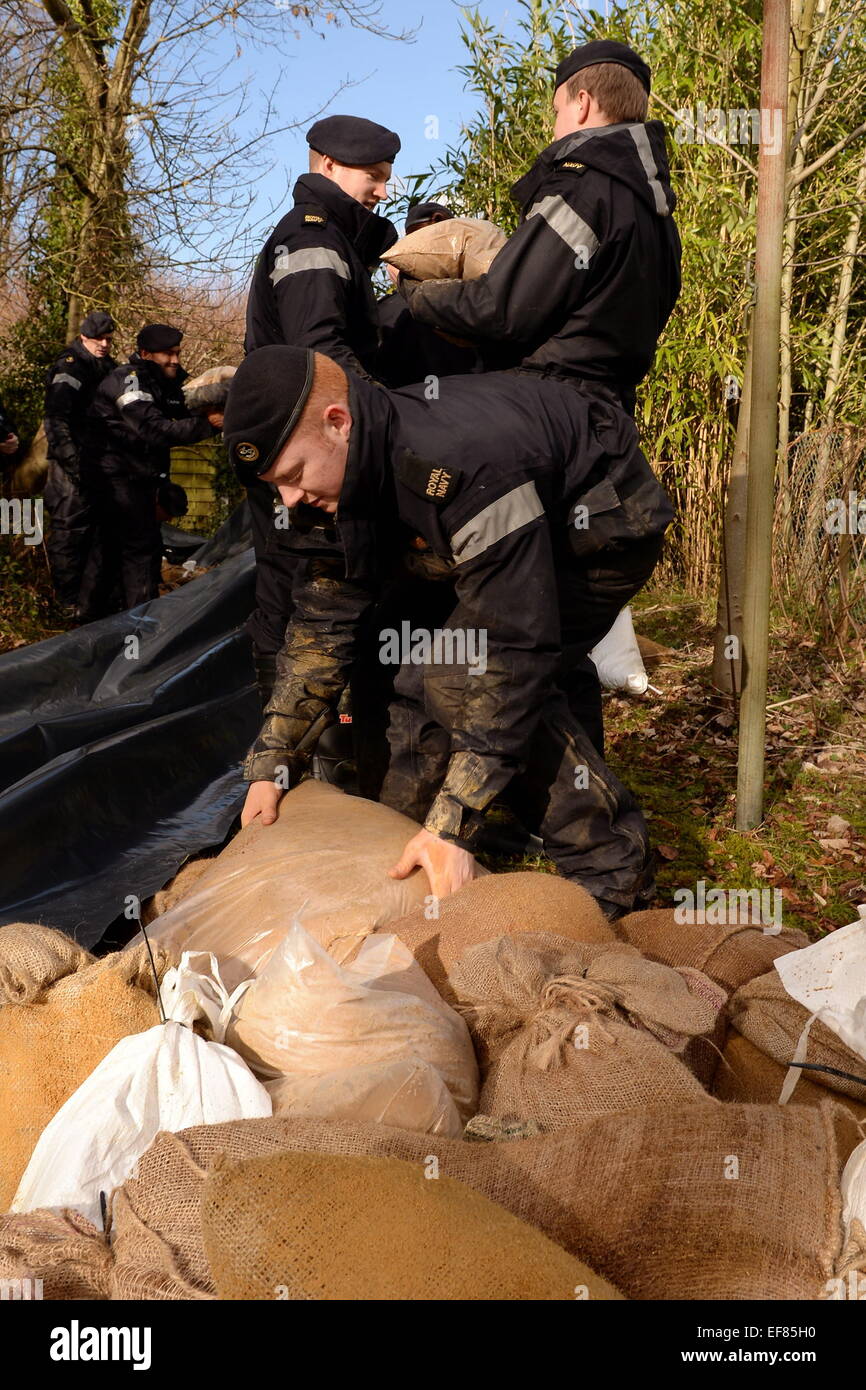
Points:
(337, 415)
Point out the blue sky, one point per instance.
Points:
(398, 84)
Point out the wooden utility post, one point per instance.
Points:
(764, 422)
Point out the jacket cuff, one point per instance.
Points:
(270, 764)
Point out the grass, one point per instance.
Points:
(678, 753)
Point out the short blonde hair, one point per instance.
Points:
(330, 387)
(620, 94)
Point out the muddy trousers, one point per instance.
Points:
(72, 532)
(592, 827)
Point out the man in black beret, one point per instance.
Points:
(486, 480)
(584, 287)
(586, 284)
(70, 387)
(311, 287)
(137, 417)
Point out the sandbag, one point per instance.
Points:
(731, 955)
(166, 1078)
(745, 1074)
(50, 1046)
(208, 391)
(766, 1014)
(462, 248)
(564, 1031)
(32, 958)
(175, 890)
(307, 1016)
(66, 1253)
(324, 1227)
(497, 906)
(652, 1201)
(406, 1093)
(326, 859)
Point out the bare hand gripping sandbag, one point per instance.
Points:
(460, 249)
(325, 861)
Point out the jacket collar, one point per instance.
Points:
(94, 364)
(144, 367)
(633, 152)
(367, 513)
(369, 233)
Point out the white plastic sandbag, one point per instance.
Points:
(829, 979)
(306, 1015)
(406, 1093)
(167, 1078)
(617, 658)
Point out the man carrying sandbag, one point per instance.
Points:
(311, 288)
(484, 478)
(584, 287)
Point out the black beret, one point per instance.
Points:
(97, 325)
(602, 51)
(353, 140)
(266, 398)
(158, 337)
(427, 212)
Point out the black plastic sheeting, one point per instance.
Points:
(114, 767)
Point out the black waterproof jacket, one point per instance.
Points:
(489, 475)
(137, 417)
(70, 387)
(411, 351)
(311, 286)
(588, 281)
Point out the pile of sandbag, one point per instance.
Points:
(363, 1033)
(696, 1201)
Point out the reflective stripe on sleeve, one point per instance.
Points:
(129, 396)
(495, 522)
(314, 258)
(567, 224)
(67, 380)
